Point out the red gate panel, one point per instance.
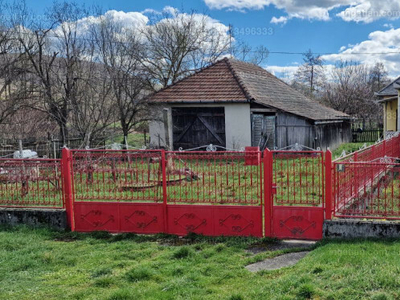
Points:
(215, 220)
(297, 222)
(294, 194)
(119, 217)
(141, 218)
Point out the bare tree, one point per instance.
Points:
(255, 55)
(55, 53)
(179, 45)
(92, 109)
(350, 91)
(119, 49)
(12, 72)
(378, 77)
(311, 73)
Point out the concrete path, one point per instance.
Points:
(278, 262)
(281, 245)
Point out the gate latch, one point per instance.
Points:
(274, 187)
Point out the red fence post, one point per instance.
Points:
(164, 188)
(268, 197)
(328, 185)
(66, 160)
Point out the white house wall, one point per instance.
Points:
(157, 132)
(237, 125)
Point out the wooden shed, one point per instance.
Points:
(234, 104)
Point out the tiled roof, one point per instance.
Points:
(390, 89)
(230, 80)
(215, 83)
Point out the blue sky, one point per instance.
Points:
(293, 26)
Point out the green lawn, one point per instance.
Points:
(40, 264)
(349, 148)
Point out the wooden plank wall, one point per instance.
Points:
(292, 129)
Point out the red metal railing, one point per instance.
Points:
(365, 182)
(31, 183)
(298, 177)
(115, 175)
(214, 177)
(367, 190)
(389, 148)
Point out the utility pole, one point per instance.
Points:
(230, 33)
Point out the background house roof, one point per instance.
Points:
(390, 89)
(230, 80)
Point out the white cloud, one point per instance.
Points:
(285, 73)
(237, 4)
(280, 20)
(171, 11)
(351, 10)
(372, 10)
(384, 44)
(126, 20)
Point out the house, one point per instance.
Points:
(389, 96)
(234, 104)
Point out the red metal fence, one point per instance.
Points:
(31, 183)
(388, 148)
(367, 190)
(284, 194)
(365, 183)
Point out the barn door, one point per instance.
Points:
(263, 131)
(194, 127)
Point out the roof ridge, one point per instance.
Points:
(384, 88)
(239, 80)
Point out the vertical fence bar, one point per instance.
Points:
(164, 189)
(268, 197)
(67, 187)
(328, 185)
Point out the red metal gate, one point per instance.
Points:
(210, 193)
(166, 192)
(295, 193)
(217, 193)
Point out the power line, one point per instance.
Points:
(54, 36)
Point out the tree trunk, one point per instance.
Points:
(63, 133)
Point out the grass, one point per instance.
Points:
(38, 264)
(349, 148)
(134, 139)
